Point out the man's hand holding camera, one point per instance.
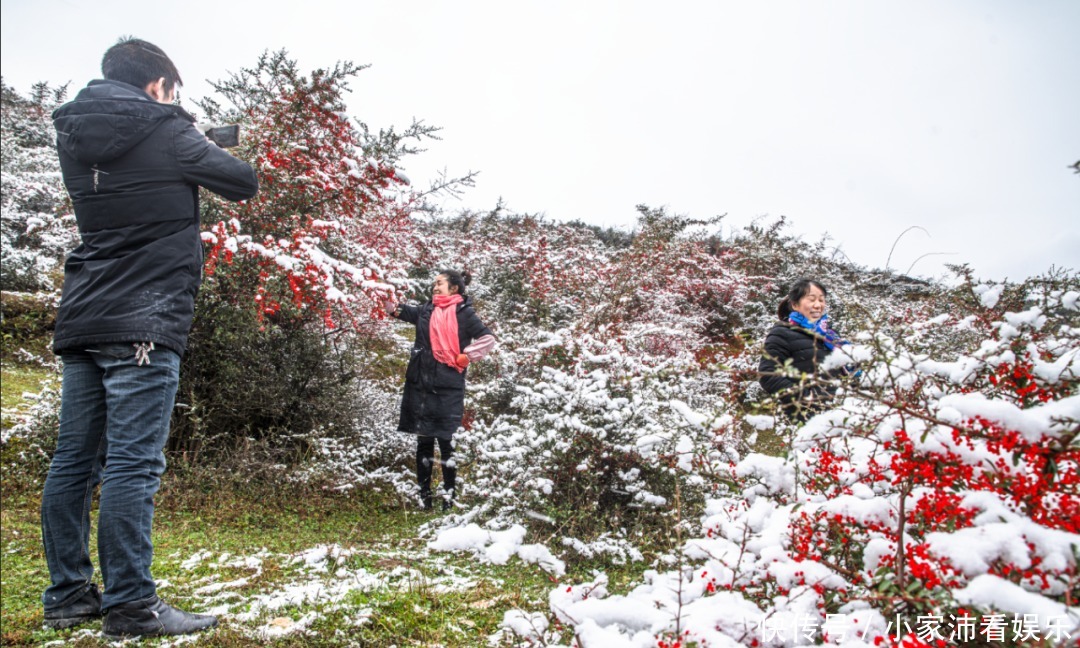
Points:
(224, 136)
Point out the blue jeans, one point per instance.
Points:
(114, 421)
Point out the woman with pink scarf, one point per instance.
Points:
(449, 336)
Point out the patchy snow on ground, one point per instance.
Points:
(497, 547)
(318, 581)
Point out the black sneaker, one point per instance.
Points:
(151, 616)
(86, 607)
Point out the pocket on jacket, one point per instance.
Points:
(446, 377)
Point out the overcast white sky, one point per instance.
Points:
(854, 118)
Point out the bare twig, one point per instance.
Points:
(923, 257)
(893, 248)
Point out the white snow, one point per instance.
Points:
(497, 547)
(993, 592)
(988, 294)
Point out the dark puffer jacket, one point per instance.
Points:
(433, 401)
(133, 167)
(806, 351)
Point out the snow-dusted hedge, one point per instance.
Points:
(38, 227)
(938, 502)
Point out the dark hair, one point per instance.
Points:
(459, 279)
(139, 63)
(799, 289)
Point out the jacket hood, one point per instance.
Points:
(107, 118)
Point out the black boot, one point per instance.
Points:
(85, 607)
(151, 616)
(425, 454)
(449, 473)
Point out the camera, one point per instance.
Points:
(224, 136)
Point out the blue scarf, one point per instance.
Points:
(819, 328)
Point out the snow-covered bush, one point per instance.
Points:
(589, 448)
(26, 447)
(291, 308)
(938, 503)
(583, 420)
(38, 228)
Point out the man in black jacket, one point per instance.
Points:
(133, 163)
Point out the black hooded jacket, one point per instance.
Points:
(133, 167)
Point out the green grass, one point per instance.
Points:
(19, 380)
(251, 535)
(428, 598)
(774, 441)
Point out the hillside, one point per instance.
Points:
(618, 453)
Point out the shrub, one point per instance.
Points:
(38, 227)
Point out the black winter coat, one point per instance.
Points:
(806, 351)
(433, 401)
(133, 167)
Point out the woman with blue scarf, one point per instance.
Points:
(804, 339)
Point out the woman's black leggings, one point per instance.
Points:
(425, 461)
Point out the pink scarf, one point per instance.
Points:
(443, 331)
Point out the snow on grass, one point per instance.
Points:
(316, 582)
(497, 547)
